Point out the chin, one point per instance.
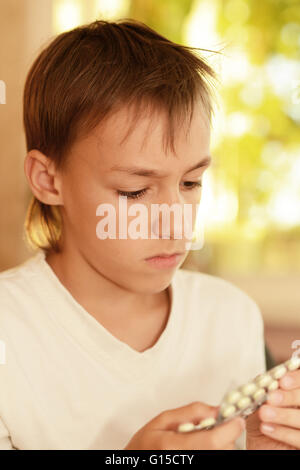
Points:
(157, 282)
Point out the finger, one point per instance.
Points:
(291, 380)
(285, 416)
(228, 432)
(287, 398)
(193, 412)
(221, 436)
(283, 434)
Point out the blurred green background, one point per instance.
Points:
(250, 201)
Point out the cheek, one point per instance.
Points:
(191, 208)
(118, 254)
(196, 202)
(81, 199)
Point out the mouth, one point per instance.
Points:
(164, 260)
(167, 255)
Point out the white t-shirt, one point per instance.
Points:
(68, 383)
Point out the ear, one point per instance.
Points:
(43, 179)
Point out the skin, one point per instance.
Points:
(110, 278)
(286, 419)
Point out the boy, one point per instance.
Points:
(107, 348)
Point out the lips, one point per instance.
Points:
(164, 261)
(166, 255)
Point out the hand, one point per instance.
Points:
(256, 440)
(160, 433)
(286, 422)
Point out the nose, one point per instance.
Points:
(172, 218)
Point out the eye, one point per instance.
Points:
(194, 184)
(134, 194)
(142, 192)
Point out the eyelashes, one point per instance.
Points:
(133, 195)
(142, 192)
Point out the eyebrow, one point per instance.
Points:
(154, 173)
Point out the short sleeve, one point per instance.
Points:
(5, 440)
(252, 358)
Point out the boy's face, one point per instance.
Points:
(92, 179)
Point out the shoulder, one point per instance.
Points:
(218, 295)
(22, 267)
(27, 268)
(18, 284)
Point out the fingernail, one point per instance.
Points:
(267, 428)
(287, 381)
(275, 398)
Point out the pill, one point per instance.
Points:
(263, 380)
(186, 427)
(278, 371)
(243, 402)
(205, 423)
(233, 397)
(259, 394)
(248, 389)
(293, 363)
(228, 410)
(273, 385)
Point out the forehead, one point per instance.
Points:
(116, 143)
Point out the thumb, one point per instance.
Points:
(193, 412)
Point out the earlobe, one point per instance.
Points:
(42, 178)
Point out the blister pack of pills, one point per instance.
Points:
(247, 398)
